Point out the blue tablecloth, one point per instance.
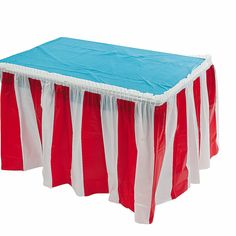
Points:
(142, 70)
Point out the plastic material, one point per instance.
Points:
(141, 70)
(142, 153)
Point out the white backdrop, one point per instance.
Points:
(184, 27)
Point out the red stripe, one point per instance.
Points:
(35, 88)
(94, 164)
(211, 87)
(180, 171)
(127, 153)
(61, 153)
(159, 149)
(197, 101)
(11, 151)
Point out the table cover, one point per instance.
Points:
(134, 123)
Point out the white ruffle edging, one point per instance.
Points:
(101, 88)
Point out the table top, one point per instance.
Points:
(137, 69)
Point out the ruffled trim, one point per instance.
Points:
(101, 88)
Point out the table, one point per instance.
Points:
(134, 123)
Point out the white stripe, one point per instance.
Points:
(164, 187)
(109, 117)
(204, 161)
(48, 101)
(144, 134)
(76, 106)
(193, 140)
(30, 139)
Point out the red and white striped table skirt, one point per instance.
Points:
(139, 153)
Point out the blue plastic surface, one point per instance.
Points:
(142, 70)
